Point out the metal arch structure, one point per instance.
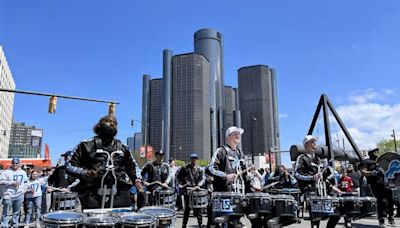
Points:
(327, 105)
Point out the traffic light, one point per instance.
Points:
(111, 109)
(53, 104)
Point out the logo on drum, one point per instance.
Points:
(394, 167)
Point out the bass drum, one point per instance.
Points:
(384, 162)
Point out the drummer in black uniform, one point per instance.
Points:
(307, 174)
(156, 170)
(192, 176)
(226, 161)
(376, 179)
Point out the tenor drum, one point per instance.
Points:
(63, 219)
(259, 202)
(285, 206)
(165, 197)
(350, 206)
(65, 201)
(323, 207)
(118, 213)
(165, 217)
(198, 199)
(136, 220)
(102, 221)
(227, 204)
(368, 207)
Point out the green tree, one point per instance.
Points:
(203, 163)
(180, 163)
(387, 146)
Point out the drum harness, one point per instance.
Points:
(103, 191)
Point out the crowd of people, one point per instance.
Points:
(104, 173)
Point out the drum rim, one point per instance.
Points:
(65, 193)
(137, 222)
(67, 220)
(258, 194)
(161, 215)
(115, 220)
(166, 190)
(226, 194)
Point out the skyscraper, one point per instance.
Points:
(166, 121)
(209, 43)
(231, 108)
(135, 142)
(259, 110)
(152, 112)
(190, 112)
(6, 104)
(25, 141)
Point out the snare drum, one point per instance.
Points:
(165, 197)
(368, 207)
(350, 206)
(118, 213)
(136, 220)
(102, 221)
(227, 204)
(198, 199)
(322, 207)
(285, 206)
(165, 217)
(64, 201)
(63, 219)
(259, 202)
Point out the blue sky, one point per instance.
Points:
(101, 49)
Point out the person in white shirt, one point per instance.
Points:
(256, 180)
(33, 196)
(14, 183)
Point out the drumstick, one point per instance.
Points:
(243, 171)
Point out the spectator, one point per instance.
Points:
(345, 182)
(356, 177)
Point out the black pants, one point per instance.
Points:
(381, 194)
(196, 212)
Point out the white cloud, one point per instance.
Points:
(367, 120)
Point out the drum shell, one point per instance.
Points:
(66, 201)
(335, 201)
(63, 219)
(235, 204)
(102, 221)
(368, 207)
(285, 206)
(198, 199)
(149, 222)
(165, 198)
(259, 202)
(350, 206)
(165, 216)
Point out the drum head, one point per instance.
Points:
(226, 194)
(384, 162)
(101, 220)
(165, 191)
(62, 217)
(137, 219)
(159, 212)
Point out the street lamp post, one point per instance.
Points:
(394, 138)
(253, 119)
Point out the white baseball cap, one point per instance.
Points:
(309, 138)
(233, 129)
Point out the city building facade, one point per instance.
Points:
(190, 116)
(259, 111)
(25, 141)
(6, 104)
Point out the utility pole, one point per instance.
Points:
(394, 138)
(253, 119)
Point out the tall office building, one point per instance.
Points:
(152, 112)
(209, 43)
(166, 121)
(6, 104)
(135, 142)
(259, 110)
(25, 141)
(190, 111)
(231, 108)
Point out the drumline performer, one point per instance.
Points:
(192, 176)
(104, 158)
(158, 176)
(308, 175)
(225, 163)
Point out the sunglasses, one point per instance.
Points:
(15, 163)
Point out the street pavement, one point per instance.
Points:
(361, 223)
